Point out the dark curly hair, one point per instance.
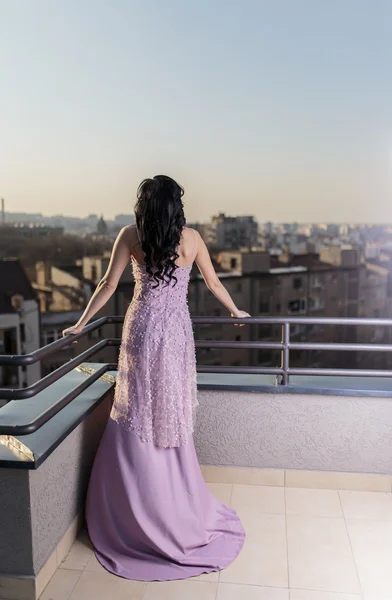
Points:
(160, 218)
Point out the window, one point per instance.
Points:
(317, 281)
(94, 272)
(233, 263)
(297, 330)
(316, 304)
(22, 332)
(297, 283)
(95, 335)
(51, 335)
(296, 306)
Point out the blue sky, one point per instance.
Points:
(278, 108)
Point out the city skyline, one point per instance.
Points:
(280, 110)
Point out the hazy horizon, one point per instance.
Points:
(281, 109)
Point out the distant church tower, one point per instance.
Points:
(102, 228)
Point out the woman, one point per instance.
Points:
(149, 513)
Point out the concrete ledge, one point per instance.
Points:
(40, 507)
(346, 434)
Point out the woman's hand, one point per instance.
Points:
(240, 314)
(74, 330)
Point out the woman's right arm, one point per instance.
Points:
(212, 281)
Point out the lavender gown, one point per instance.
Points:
(149, 513)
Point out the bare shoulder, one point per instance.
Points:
(129, 233)
(191, 232)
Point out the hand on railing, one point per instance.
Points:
(74, 330)
(240, 314)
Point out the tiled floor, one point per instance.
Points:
(302, 544)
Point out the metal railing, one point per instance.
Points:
(283, 371)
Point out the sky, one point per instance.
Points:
(277, 108)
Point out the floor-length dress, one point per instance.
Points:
(149, 513)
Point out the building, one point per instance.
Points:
(232, 233)
(266, 285)
(19, 323)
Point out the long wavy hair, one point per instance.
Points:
(160, 218)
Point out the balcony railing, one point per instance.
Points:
(281, 372)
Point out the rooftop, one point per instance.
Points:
(13, 280)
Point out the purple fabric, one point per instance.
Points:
(150, 515)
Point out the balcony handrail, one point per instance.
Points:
(283, 371)
(37, 355)
(20, 360)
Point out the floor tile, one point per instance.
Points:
(78, 556)
(372, 547)
(310, 595)
(313, 503)
(320, 556)
(256, 498)
(243, 475)
(366, 505)
(338, 481)
(222, 491)
(61, 585)
(105, 586)
(180, 590)
(234, 591)
(263, 559)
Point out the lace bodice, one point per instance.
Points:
(155, 393)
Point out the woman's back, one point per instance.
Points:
(187, 248)
(165, 294)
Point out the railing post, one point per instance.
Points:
(285, 360)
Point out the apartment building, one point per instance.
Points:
(301, 285)
(19, 323)
(230, 233)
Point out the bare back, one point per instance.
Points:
(187, 248)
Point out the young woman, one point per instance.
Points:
(149, 513)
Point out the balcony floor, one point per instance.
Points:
(302, 544)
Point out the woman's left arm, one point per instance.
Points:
(118, 261)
